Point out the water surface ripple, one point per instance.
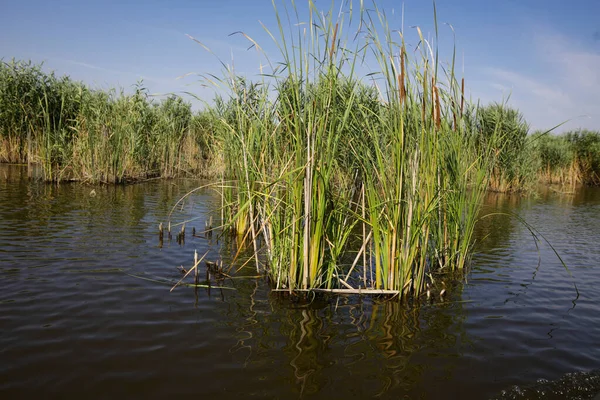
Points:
(85, 308)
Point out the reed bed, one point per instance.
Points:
(320, 158)
(76, 133)
(521, 159)
(514, 165)
(585, 146)
(557, 160)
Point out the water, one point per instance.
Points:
(76, 317)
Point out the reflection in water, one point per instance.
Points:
(495, 227)
(308, 343)
(244, 332)
(372, 345)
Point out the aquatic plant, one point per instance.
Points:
(586, 145)
(569, 158)
(556, 158)
(316, 153)
(514, 167)
(77, 133)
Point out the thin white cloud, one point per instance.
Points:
(524, 85)
(168, 81)
(580, 66)
(91, 66)
(566, 87)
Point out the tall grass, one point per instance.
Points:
(586, 147)
(514, 167)
(316, 155)
(77, 133)
(522, 159)
(570, 158)
(557, 161)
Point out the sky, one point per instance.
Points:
(541, 56)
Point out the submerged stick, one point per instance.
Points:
(190, 270)
(208, 227)
(160, 235)
(196, 263)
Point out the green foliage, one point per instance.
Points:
(555, 152)
(505, 129)
(314, 154)
(586, 146)
(571, 157)
(82, 134)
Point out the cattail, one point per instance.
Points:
(454, 125)
(333, 42)
(196, 265)
(462, 96)
(424, 93)
(401, 78)
(438, 108)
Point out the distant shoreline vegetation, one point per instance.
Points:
(80, 134)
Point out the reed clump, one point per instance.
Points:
(520, 159)
(557, 162)
(585, 145)
(77, 133)
(515, 167)
(570, 158)
(318, 158)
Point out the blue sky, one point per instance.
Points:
(545, 55)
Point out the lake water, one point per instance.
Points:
(86, 308)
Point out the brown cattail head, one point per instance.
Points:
(401, 78)
(455, 125)
(435, 104)
(333, 42)
(424, 97)
(438, 108)
(433, 100)
(462, 96)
